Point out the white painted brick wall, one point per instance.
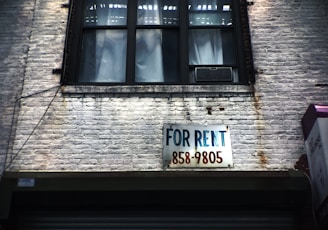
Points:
(120, 129)
(15, 22)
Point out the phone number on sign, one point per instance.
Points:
(179, 158)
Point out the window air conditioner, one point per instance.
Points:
(221, 74)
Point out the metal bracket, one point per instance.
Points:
(248, 3)
(57, 71)
(65, 5)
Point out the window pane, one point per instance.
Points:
(156, 55)
(229, 47)
(158, 12)
(106, 12)
(103, 56)
(210, 12)
(205, 47)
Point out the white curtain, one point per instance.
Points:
(149, 54)
(205, 47)
(104, 51)
(110, 56)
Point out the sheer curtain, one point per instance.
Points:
(104, 51)
(149, 54)
(103, 57)
(205, 45)
(110, 56)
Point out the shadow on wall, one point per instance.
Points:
(16, 23)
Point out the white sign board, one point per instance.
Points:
(317, 153)
(191, 146)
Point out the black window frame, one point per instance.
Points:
(72, 49)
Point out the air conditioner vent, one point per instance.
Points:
(221, 74)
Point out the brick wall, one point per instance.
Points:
(16, 26)
(120, 128)
(290, 55)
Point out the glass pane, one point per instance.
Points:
(158, 12)
(103, 56)
(205, 47)
(210, 12)
(106, 12)
(156, 55)
(228, 45)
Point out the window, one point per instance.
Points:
(158, 41)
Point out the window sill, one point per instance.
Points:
(157, 89)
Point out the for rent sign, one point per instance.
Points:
(197, 146)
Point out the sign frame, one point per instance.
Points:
(196, 146)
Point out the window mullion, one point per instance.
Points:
(131, 42)
(184, 24)
(71, 64)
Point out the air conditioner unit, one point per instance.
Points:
(220, 74)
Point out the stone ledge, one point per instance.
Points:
(166, 89)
